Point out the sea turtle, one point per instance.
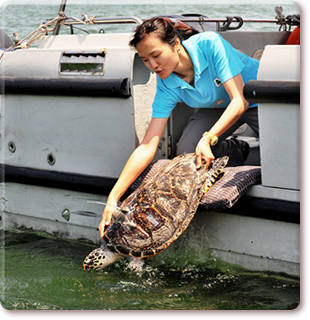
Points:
(156, 213)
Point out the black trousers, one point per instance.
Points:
(203, 120)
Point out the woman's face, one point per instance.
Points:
(159, 56)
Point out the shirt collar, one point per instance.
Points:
(199, 61)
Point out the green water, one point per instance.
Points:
(46, 274)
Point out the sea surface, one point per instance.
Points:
(18, 16)
(45, 273)
(40, 272)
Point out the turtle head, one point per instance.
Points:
(100, 258)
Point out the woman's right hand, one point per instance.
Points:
(107, 216)
(136, 163)
(204, 152)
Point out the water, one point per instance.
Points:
(46, 274)
(40, 272)
(24, 18)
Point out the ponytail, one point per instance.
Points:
(184, 31)
(168, 30)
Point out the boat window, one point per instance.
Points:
(82, 63)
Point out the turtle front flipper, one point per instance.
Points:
(214, 170)
(100, 258)
(136, 264)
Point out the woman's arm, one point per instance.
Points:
(136, 163)
(238, 105)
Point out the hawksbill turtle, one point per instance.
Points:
(156, 213)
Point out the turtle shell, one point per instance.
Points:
(161, 209)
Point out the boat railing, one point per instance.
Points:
(223, 24)
(280, 19)
(70, 21)
(52, 26)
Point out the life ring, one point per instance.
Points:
(294, 38)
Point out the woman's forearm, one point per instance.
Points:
(236, 108)
(230, 116)
(140, 158)
(137, 162)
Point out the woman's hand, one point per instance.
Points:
(136, 163)
(107, 216)
(236, 108)
(203, 152)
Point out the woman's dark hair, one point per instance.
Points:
(166, 29)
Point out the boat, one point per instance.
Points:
(76, 105)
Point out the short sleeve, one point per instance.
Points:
(164, 102)
(226, 61)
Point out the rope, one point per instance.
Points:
(87, 21)
(293, 20)
(226, 25)
(43, 29)
(36, 34)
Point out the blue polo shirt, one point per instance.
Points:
(215, 61)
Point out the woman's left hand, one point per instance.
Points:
(236, 108)
(203, 152)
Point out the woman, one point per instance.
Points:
(203, 71)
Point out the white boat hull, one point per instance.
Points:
(254, 243)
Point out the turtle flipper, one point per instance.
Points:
(136, 264)
(100, 258)
(214, 170)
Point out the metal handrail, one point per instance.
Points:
(100, 20)
(226, 23)
(234, 19)
(133, 19)
(70, 21)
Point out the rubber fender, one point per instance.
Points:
(5, 41)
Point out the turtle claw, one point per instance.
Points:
(136, 264)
